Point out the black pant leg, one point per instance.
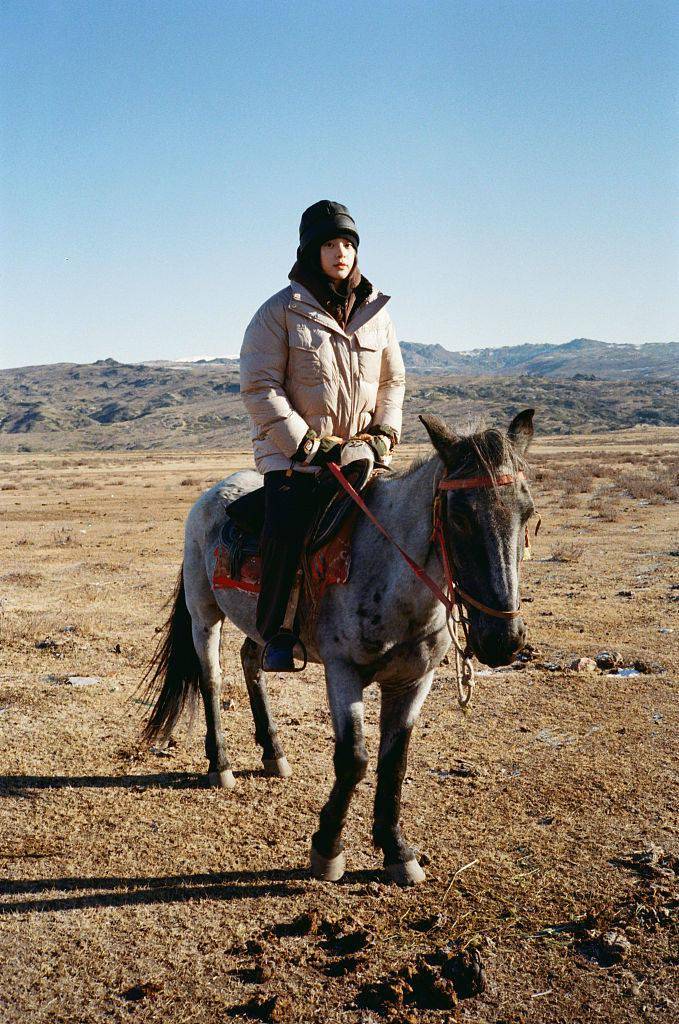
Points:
(290, 503)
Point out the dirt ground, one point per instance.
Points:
(546, 815)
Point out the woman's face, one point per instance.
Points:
(337, 258)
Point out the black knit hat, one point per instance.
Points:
(323, 221)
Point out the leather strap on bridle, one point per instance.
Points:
(466, 483)
(467, 598)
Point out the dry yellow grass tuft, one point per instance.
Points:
(567, 551)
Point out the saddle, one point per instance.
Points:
(326, 554)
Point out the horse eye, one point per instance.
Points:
(459, 522)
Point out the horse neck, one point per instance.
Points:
(404, 506)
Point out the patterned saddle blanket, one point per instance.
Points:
(326, 559)
(238, 564)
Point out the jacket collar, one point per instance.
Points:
(302, 301)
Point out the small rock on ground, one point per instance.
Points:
(583, 665)
(607, 660)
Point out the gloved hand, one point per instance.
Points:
(381, 439)
(380, 445)
(318, 451)
(357, 450)
(329, 450)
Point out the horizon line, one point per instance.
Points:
(235, 358)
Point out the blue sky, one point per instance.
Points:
(512, 167)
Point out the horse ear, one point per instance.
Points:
(520, 431)
(442, 437)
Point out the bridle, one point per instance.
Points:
(455, 598)
(466, 484)
(455, 611)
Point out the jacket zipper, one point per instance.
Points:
(352, 415)
(333, 326)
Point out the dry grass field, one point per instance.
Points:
(547, 815)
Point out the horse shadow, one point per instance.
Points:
(21, 785)
(53, 894)
(78, 893)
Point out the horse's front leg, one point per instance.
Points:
(398, 714)
(345, 695)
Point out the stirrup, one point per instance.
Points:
(291, 667)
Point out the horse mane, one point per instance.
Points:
(477, 449)
(487, 450)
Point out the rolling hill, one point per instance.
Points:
(196, 405)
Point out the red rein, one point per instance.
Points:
(447, 484)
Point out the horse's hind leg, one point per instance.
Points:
(345, 694)
(266, 734)
(207, 630)
(398, 714)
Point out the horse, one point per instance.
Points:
(382, 626)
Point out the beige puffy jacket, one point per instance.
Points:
(299, 369)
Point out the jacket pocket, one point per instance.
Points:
(307, 337)
(307, 354)
(309, 376)
(370, 346)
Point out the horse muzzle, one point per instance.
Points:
(496, 643)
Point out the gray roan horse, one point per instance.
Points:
(382, 626)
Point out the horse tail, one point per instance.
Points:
(173, 674)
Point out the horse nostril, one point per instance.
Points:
(499, 648)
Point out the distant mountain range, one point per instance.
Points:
(582, 386)
(581, 356)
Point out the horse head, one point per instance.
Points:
(484, 505)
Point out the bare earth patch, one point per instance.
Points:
(547, 814)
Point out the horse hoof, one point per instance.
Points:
(327, 869)
(408, 873)
(277, 766)
(222, 780)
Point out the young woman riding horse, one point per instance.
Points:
(460, 516)
(320, 364)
